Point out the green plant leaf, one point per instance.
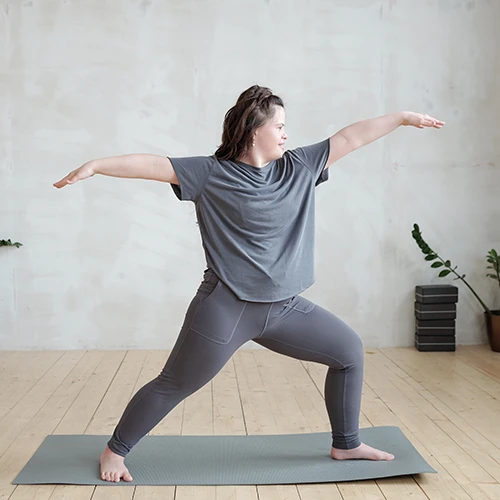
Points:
(8, 243)
(494, 253)
(494, 276)
(444, 273)
(437, 264)
(447, 263)
(431, 257)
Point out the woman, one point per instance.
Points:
(255, 208)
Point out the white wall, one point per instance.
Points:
(113, 263)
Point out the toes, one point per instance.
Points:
(115, 477)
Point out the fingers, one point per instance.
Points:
(60, 183)
(423, 120)
(63, 182)
(71, 178)
(429, 121)
(436, 124)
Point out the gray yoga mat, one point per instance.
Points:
(217, 460)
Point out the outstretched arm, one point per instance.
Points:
(136, 166)
(361, 133)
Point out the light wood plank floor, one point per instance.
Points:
(447, 404)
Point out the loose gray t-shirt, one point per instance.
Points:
(257, 224)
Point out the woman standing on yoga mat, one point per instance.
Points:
(255, 207)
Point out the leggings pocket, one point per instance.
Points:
(301, 304)
(218, 314)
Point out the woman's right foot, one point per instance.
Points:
(362, 452)
(113, 467)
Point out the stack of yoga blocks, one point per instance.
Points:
(435, 317)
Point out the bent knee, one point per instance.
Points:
(352, 353)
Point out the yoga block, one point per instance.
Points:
(435, 311)
(435, 327)
(436, 294)
(435, 339)
(434, 347)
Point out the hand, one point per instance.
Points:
(84, 172)
(421, 121)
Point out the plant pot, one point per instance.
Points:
(493, 328)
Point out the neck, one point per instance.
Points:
(254, 159)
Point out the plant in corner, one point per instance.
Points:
(8, 243)
(492, 315)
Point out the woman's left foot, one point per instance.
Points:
(362, 452)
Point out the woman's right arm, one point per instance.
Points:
(134, 166)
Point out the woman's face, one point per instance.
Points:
(271, 137)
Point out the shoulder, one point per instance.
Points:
(307, 155)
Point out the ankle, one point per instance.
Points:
(351, 448)
(109, 452)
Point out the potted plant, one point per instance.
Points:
(492, 315)
(8, 243)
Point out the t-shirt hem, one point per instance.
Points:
(270, 299)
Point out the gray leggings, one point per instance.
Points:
(217, 323)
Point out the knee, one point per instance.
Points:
(169, 383)
(181, 384)
(357, 343)
(352, 354)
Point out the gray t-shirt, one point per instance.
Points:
(257, 224)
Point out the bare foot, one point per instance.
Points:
(113, 467)
(363, 452)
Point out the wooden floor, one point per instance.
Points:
(447, 404)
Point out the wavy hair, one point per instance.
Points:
(254, 107)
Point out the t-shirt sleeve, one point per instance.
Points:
(192, 173)
(314, 157)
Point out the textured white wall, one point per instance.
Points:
(113, 263)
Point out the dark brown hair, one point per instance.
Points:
(254, 107)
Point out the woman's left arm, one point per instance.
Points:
(362, 133)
